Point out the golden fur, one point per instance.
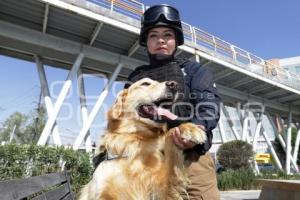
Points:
(149, 165)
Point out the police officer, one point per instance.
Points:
(161, 33)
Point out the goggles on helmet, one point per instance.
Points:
(154, 13)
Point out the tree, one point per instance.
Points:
(15, 124)
(27, 128)
(37, 122)
(235, 154)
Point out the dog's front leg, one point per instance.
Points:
(176, 179)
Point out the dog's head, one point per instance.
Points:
(146, 100)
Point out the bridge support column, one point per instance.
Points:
(256, 136)
(61, 97)
(245, 126)
(297, 142)
(83, 109)
(230, 122)
(273, 153)
(47, 98)
(288, 145)
(280, 138)
(257, 132)
(92, 115)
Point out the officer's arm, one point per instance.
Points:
(205, 99)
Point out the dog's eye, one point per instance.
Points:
(145, 84)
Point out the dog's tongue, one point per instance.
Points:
(159, 111)
(166, 113)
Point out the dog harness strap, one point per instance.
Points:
(105, 156)
(111, 156)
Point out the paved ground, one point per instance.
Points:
(240, 195)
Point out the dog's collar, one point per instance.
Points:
(111, 156)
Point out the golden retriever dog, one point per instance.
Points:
(147, 164)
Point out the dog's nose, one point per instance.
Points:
(173, 85)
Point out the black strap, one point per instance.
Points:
(99, 158)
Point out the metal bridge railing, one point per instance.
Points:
(200, 39)
(187, 32)
(129, 8)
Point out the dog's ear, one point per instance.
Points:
(118, 107)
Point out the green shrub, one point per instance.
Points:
(240, 179)
(235, 154)
(278, 175)
(15, 159)
(245, 179)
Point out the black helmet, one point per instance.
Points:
(161, 15)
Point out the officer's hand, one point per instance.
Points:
(180, 142)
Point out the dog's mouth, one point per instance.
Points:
(158, 110)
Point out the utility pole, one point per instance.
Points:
(37, 117)
(12, 134)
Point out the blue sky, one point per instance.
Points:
(266, 28)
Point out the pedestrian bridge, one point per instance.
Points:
(101, 36)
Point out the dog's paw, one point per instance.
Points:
(192, 132)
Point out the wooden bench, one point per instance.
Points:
(55, 186)
(279, 189)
